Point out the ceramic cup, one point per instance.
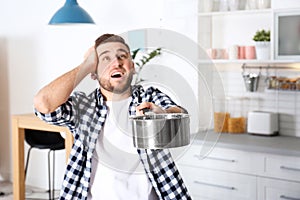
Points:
(223, 5)
(208, 5)
(242, 52)
(263, 4)
(233, 5)
(233, 52)
(250, 52)
(217, 53)
(251, 4)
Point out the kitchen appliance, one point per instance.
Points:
(159, 131)
(262, 123)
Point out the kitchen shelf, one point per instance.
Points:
(230, 23)
(253, 61)
(245, 23)
(237, 12)
(281, 90)
(269, 66)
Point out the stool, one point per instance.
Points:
(44, 140)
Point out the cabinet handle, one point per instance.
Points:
(290, 168)
(216, 158)
(288, 198)
(215, 185)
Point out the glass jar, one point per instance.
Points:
(283, 83)
(293, 82)
(237, 114)
(298, 84)
(272, 81)
(221, 115)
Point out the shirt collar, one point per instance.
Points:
(135, 91)
(99, 96)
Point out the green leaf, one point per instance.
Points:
(134, 53)
(262, 35)
(144, 60)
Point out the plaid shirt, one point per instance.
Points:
(85, 117)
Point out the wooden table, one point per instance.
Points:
(29, 121)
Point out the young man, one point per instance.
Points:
(100, 122)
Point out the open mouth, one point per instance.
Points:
(116, 75)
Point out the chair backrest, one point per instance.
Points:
(44, 139)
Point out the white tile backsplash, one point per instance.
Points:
(286, 103)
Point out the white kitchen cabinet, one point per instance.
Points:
(224, 159)
(206, 183)
(283, 167)
(227, 173)
(274, 189)
(222, 174)
(280, 179)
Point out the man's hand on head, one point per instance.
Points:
(90, 62)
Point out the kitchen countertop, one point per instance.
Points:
(280, 145)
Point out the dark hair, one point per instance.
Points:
(105, 38)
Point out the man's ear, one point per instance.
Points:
(133, 68)
(94, 76)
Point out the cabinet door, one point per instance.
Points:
(284, 167)
(213, 184)
(273, 189)
(224, 159)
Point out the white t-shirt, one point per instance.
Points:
(117, 172)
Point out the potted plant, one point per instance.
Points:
(142, 60)
(262, 44)
(262, 36)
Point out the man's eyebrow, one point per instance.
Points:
(123, 50)
(104, 52)
(107, 51)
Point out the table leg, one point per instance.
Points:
(68, 144)
(18, 161)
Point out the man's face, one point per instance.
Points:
(115, 69)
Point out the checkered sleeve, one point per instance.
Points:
(64, 115)
(159, 98)
(164, 174)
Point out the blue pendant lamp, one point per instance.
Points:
(71, 13)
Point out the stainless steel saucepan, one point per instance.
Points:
(159, 131)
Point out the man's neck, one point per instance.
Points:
(110, 96)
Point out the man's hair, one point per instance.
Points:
(105, 38)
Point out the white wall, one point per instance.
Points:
(33, 53)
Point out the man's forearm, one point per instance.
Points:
(58, 91)
(50, 97)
